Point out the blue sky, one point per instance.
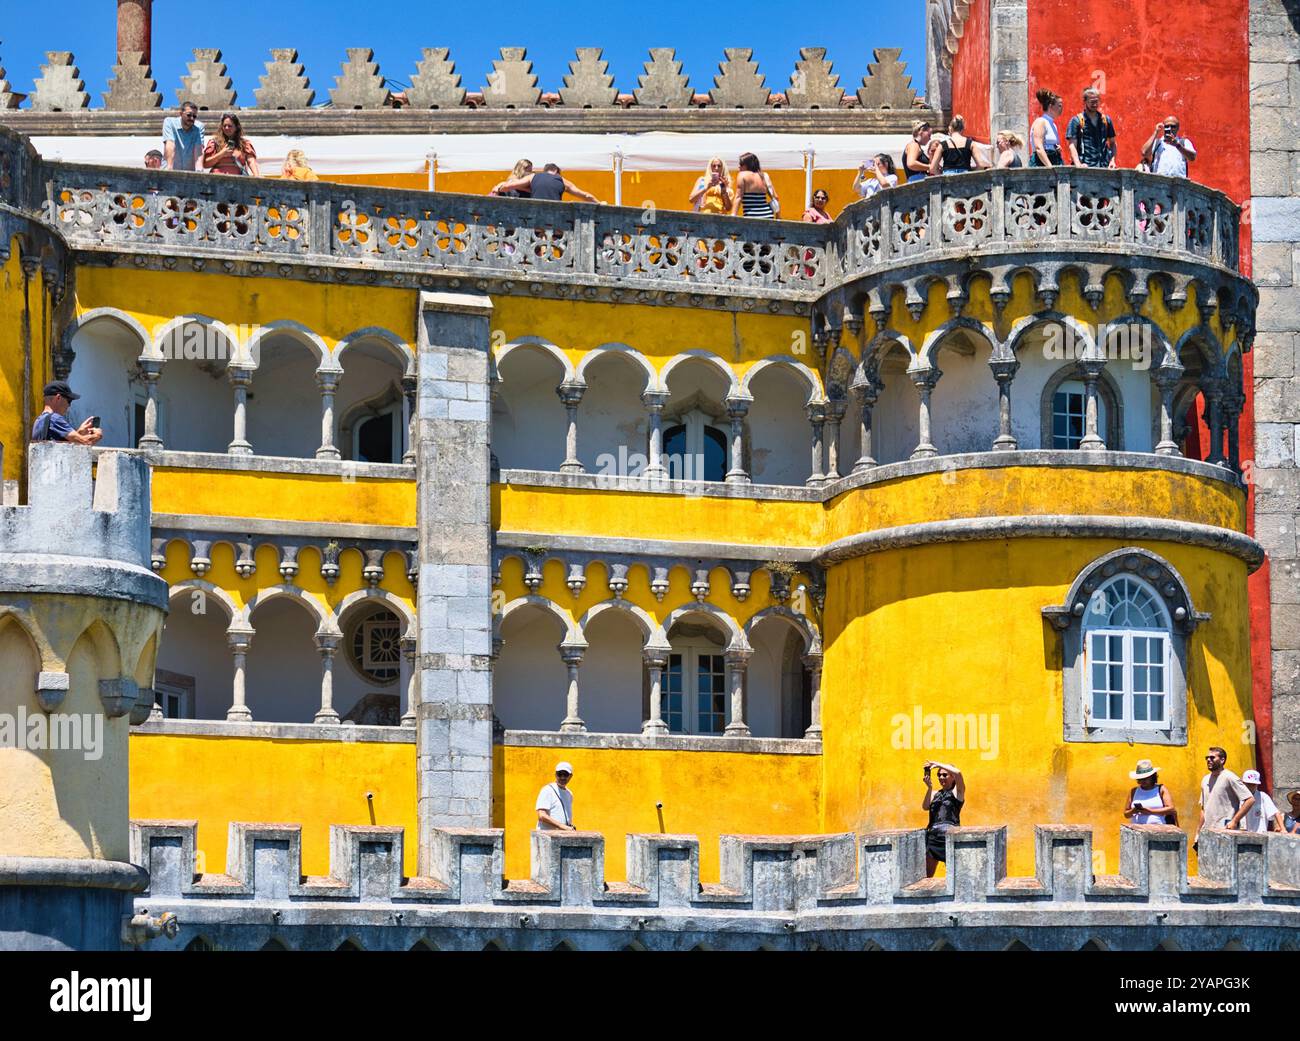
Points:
(397, 31)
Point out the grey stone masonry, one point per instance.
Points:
(835, 890)
(454, 717)
(662, 85)
(511, 83)
(285, 85)
(207, 85)
(60, 87)
(887, 84)
(359, 85)
(436, 84)
(589, 83)
(132, 88)
(1275, 238)
(739, 83)
(814, 84)
(1009, 66)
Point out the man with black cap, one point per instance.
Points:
(51, 425)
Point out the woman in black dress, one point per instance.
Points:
(945, 811)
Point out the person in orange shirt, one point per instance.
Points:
(296, 167)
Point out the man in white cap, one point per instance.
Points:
(1265, 811)
(555, 802)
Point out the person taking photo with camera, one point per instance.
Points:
(1167, 151)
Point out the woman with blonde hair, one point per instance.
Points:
(296, 167)
(522, 169)
(712, 191)
(1008, 145)
(954, 152)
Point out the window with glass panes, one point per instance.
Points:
(1067, 418)
(695, 693)
(1126, 652)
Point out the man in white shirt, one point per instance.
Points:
(1265, 811)
(1167, 151)
(555, 802)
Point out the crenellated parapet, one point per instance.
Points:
(802, 888)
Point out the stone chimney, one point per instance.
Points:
(134, 29)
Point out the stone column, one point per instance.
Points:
(867, 389)
(1167, 378)
(816, 414)
(813, 662)
(571, 395)
(1275, 403)
(737, 661)
(1213, 415)
(835, 409)
(151, 370)
(327, 644)
(572, 657)
(1090, 372)
(408, 680)
(1008, 66)
(240, 378)
(654, 402)
(408, 392)
(1235, 404)
(924, 379)
(737, 409)
(1004, 371)
(454, 593)
(656, 660)
(238, 642)
(135, 29)
(328, 382)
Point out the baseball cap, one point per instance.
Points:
(1251, 777)
(563, 768)
(60, 387)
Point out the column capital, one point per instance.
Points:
(655, 657)
(1167, 376)
(238, 640)
(655, 400)
(570, 392)
(1090, 369)
(738, 407)
(926, 377)
(240, 375)
(327, 643)
(835, 408)
(815, 411)
(738, 657)
(328, 380)
(150, 368)
(812, 660)
(572, 653)
(1004, 369)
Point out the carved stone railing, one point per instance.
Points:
(1052, 216)
(1063, 207)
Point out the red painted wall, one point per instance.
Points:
(1150, 59)
(970, 72)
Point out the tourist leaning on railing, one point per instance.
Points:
(954, 152)
(51, 424)
(1264, 814)
(550, 186)
(1044, 138)
(229, 151)
(816, 213)
(1091, 134)
(519, 174)
(1291, 823)
(916, 154)
(1008, 144)
(945, 808)
(296, 167)
(153, 159)
(712, 191)
(879, 173)
(1167, 151)
(1149, 802)
(183, 138)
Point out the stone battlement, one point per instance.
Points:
(85, 529)
(847, 891)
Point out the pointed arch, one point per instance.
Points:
(295, 331)
(535, 343)
(1162, 348)
(324, 619)
(651, 632)
(372, 596)
(1207, 346)
(208, 589)
(572, 632)
(1024, 326)
(934, 341)
(736, 636)
(129, 322)
(709, 358)
(621, 350)
(105, 647)
(812, 379)
(812, 643)
(376, 332)
(882, 343)
(238, 352)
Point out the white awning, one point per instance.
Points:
(409, 153)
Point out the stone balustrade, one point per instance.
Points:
(851, 887)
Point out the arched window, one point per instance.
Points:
(1125, 626)
(695, 687)
(694, 450)
(1126, 655)
(1069, 417)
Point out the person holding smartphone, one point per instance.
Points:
(1167, 150)
(945, 811)
(712, 191)
(52, 424)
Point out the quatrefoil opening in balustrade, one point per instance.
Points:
(231, 219)
(911, 227)
(1154, 216)
(1033, 215)
(1200, 230)
(353, 229)
(130, 212)
(450, 236)
(549, 245)
(399, 234)
(285, 222)
(966, 219)
(1096, 216)
(710, 256)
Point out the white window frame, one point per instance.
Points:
(1127, 719)
(184, 698)
(690, 652)
(1076, 387)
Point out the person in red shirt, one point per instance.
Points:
(229, 152)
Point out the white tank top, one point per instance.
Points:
(1150, 799)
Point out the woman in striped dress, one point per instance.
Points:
(754, 191)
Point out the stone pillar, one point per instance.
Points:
(1004, 371)
(1213, 391)
(924, 379)
(408, 680)
(238, 641)
(835, 409)
(1234, 405)
(327, 644)
(571, 653)
(571, 394)
(454, 594)
(813, 662)
(816, 414)
(656, 660)
(737, 662)
(1090, 372)
(867, 389)
(737, 409)
(1167, 378)
(135, 29)
(151, 371)
(408, 392)
(240, 378)
(328, 382)
(654, 402)
(1008, 67)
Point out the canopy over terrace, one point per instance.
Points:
(473, 162)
